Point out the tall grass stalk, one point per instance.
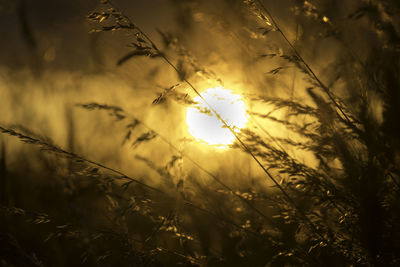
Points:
(334, 172)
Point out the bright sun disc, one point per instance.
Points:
(204, 125)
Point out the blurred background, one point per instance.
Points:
(53, 59)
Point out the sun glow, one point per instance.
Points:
(204, 125)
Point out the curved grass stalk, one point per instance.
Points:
(296, 52)
(213, 176)
(246, 148)
(57, 150)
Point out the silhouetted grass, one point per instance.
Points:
(329, 194)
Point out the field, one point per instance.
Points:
(200, 133)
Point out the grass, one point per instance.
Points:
(322, 152)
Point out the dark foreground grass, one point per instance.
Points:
(341, 210)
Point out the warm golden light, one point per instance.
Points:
(204, 125)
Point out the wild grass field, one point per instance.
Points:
(200, 133)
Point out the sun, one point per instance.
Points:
(204, 125)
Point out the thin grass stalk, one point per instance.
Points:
(199, 167)
(323, 86)
(247, 149)
(52, 148)
(55, 149)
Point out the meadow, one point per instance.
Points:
(107, 157)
